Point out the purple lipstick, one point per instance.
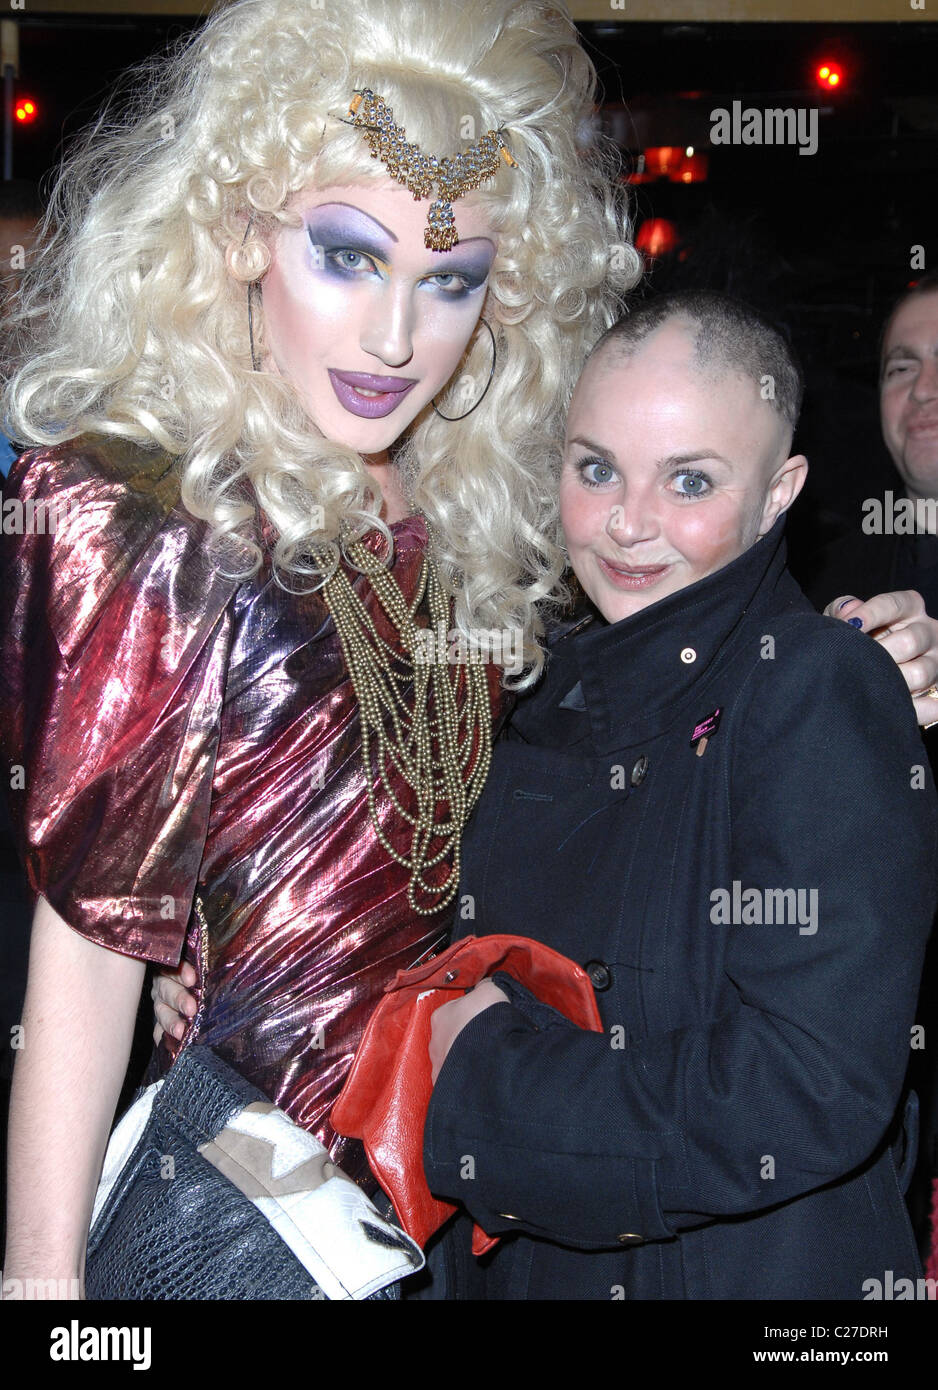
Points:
(385, 393)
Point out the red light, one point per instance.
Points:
(661, 161)
(829, 75)
(657, 237)
(672, 162)
(26, 110)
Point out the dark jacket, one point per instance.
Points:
(859, 563)
(733, 1132)
(862, 564)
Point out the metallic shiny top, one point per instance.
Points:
(179, 730)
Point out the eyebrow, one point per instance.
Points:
(359, 212)
(692, 456)
(902, 350)
(327, 207)
(670, 461)
(596, 448)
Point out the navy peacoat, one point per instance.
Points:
(753, 911)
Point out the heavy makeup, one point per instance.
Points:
(364, 321)
(670, 471)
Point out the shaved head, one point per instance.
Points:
(727, 337)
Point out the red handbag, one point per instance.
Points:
(385, 1099)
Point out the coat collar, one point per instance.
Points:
(637, 674)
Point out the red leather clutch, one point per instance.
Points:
(385, 1099)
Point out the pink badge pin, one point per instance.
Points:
(706, 728)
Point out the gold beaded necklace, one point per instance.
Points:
(441, 752)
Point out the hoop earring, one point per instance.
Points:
(252, 285)
(451, 418)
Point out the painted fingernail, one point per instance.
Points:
(855, 622)
(845, 602)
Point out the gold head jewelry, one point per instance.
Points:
(418, 172)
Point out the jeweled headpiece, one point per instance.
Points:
(418, 172)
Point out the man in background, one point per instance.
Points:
(894, 545)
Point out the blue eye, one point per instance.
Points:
(596, 472)
(695, 484)
(353, 262)
(453, 284)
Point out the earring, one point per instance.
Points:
(451, 418)
(252, 285)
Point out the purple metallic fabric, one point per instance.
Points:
(178, 730)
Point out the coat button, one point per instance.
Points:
(600, 977)
(630, 1238)
(639, 771)
(688, 655)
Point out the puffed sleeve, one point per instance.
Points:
(114, 642)
(578, 1141)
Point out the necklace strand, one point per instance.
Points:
(440, 751)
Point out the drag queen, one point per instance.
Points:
(295, 385)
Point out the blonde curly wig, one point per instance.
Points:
(131, 323)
